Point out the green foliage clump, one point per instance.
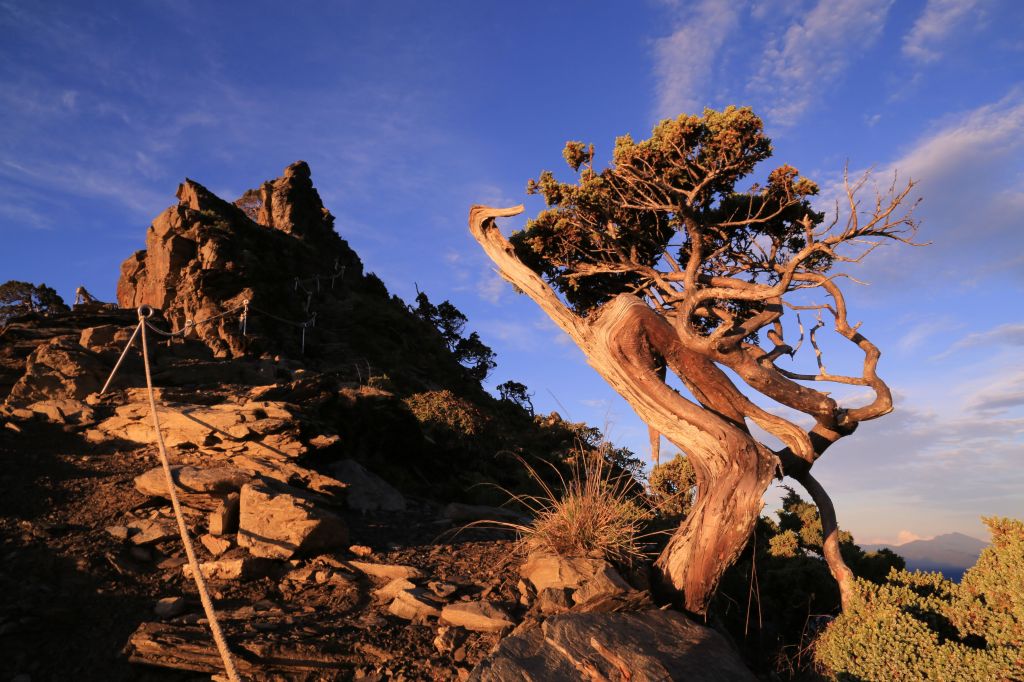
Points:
(772, 599)
(601, 232)
(672, 486)
(799, 523)
(446, 416)
(920, 626)
(20, 298)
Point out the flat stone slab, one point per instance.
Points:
(389, 571)
(640, 645)
(479, 616)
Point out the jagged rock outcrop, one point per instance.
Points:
(205, 256)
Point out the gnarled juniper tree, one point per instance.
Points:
(659, 263)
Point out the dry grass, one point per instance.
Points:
(598, 514)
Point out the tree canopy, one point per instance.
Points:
(660, 263)
(19, 298)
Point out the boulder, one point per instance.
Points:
(98, 338)
(366, 490)
(63, 411)
(279, 524)
(59, 368)
(546, 570)
(640, 645)
(592, 584)
(479, 616)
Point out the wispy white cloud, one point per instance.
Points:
(969, 173)
(116, 181)
(938, 21)
(934, 468)
(989, 132)
(491, 288)
(814, 52)
(905, 536)
(1004, 334)
(921, 331)
(684, 60)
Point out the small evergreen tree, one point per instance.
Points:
(19, 298)
(517, 394)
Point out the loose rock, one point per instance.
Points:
(278, 524)
(224, 519)
(390, 571)
(215, 545)
(169, 607)
(479, 616)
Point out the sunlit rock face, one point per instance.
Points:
(205, 256)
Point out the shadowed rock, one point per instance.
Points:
(645, 645)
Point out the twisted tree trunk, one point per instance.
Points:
(627, 343)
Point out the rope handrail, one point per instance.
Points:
(339, 271)
(145, 312)
(194, 323)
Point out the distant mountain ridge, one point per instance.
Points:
(951, 553)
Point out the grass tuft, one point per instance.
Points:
(599, 514)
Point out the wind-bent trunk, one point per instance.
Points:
(627, 343)
(830, 537)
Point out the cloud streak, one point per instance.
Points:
(814, 52)
(1005, 334)
(936, 24)
(684, 60)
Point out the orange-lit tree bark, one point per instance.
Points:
(658, 264)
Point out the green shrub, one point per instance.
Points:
(920, 626)
(446, 415)
(672, 486)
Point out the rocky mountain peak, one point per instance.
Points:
(205, 256)
(290, 204)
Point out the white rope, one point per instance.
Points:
(195, 323)
(204, 595)
(121, 359)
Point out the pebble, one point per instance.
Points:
(169, 607)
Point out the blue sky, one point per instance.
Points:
(409, 112)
